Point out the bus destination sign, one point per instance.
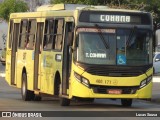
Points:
(115, 17)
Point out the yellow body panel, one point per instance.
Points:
(48, 66)
(8, 65)
(79, 90)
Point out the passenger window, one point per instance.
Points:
(31, 34)
(48, 35)
(23, 32)
(59, 34)
(53, 36)
(27, 34)
(11, 33)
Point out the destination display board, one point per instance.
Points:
(115, 17)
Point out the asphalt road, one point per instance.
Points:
(10, 100)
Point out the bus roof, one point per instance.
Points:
(66, 10)
(57, 7)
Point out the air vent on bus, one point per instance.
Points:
(114, 72)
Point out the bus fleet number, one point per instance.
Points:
(108, 82)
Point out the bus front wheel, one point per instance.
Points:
(37, 98)
(126, 102)
(27, 95)
(63, 101)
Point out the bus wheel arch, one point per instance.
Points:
(27, 95)
(57, 82)
(58, 92)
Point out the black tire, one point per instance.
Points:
(37, 98)
(90, 100)
(57, 88)
(64, 101)
(126, 102)
(27, 95)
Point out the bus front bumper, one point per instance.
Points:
(79, 90)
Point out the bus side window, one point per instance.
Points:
(53, 35)
(45, 34)
(31, 34)
(10, 33)
(48, 35)
(23, 32)
(58, 34)
(70, 33)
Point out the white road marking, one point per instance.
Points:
(156, 79)
(2, 74)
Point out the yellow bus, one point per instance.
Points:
(80, 52)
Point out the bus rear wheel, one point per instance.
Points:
(126, 102)
(27, 95)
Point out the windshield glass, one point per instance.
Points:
(124, 47)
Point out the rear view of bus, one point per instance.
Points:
(112, 55)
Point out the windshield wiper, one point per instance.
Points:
(132, 33)
(102, 36)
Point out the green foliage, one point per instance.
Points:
(152, 6)
(11, 6)
(88, 2)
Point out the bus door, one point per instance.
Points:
(37, 53)
(13, 52)
(67, 57)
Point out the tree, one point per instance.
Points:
(88, 2)
(11, 6)
(152, 6)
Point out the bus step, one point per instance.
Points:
(36, 92)
(64, 96)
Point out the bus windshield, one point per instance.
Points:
(124, 47)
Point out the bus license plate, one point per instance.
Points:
(114, 91)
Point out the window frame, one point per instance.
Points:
(53, 34)
(26, 34)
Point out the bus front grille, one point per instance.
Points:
(115, 72)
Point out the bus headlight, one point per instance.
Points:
(145, 82)
(81, 79)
